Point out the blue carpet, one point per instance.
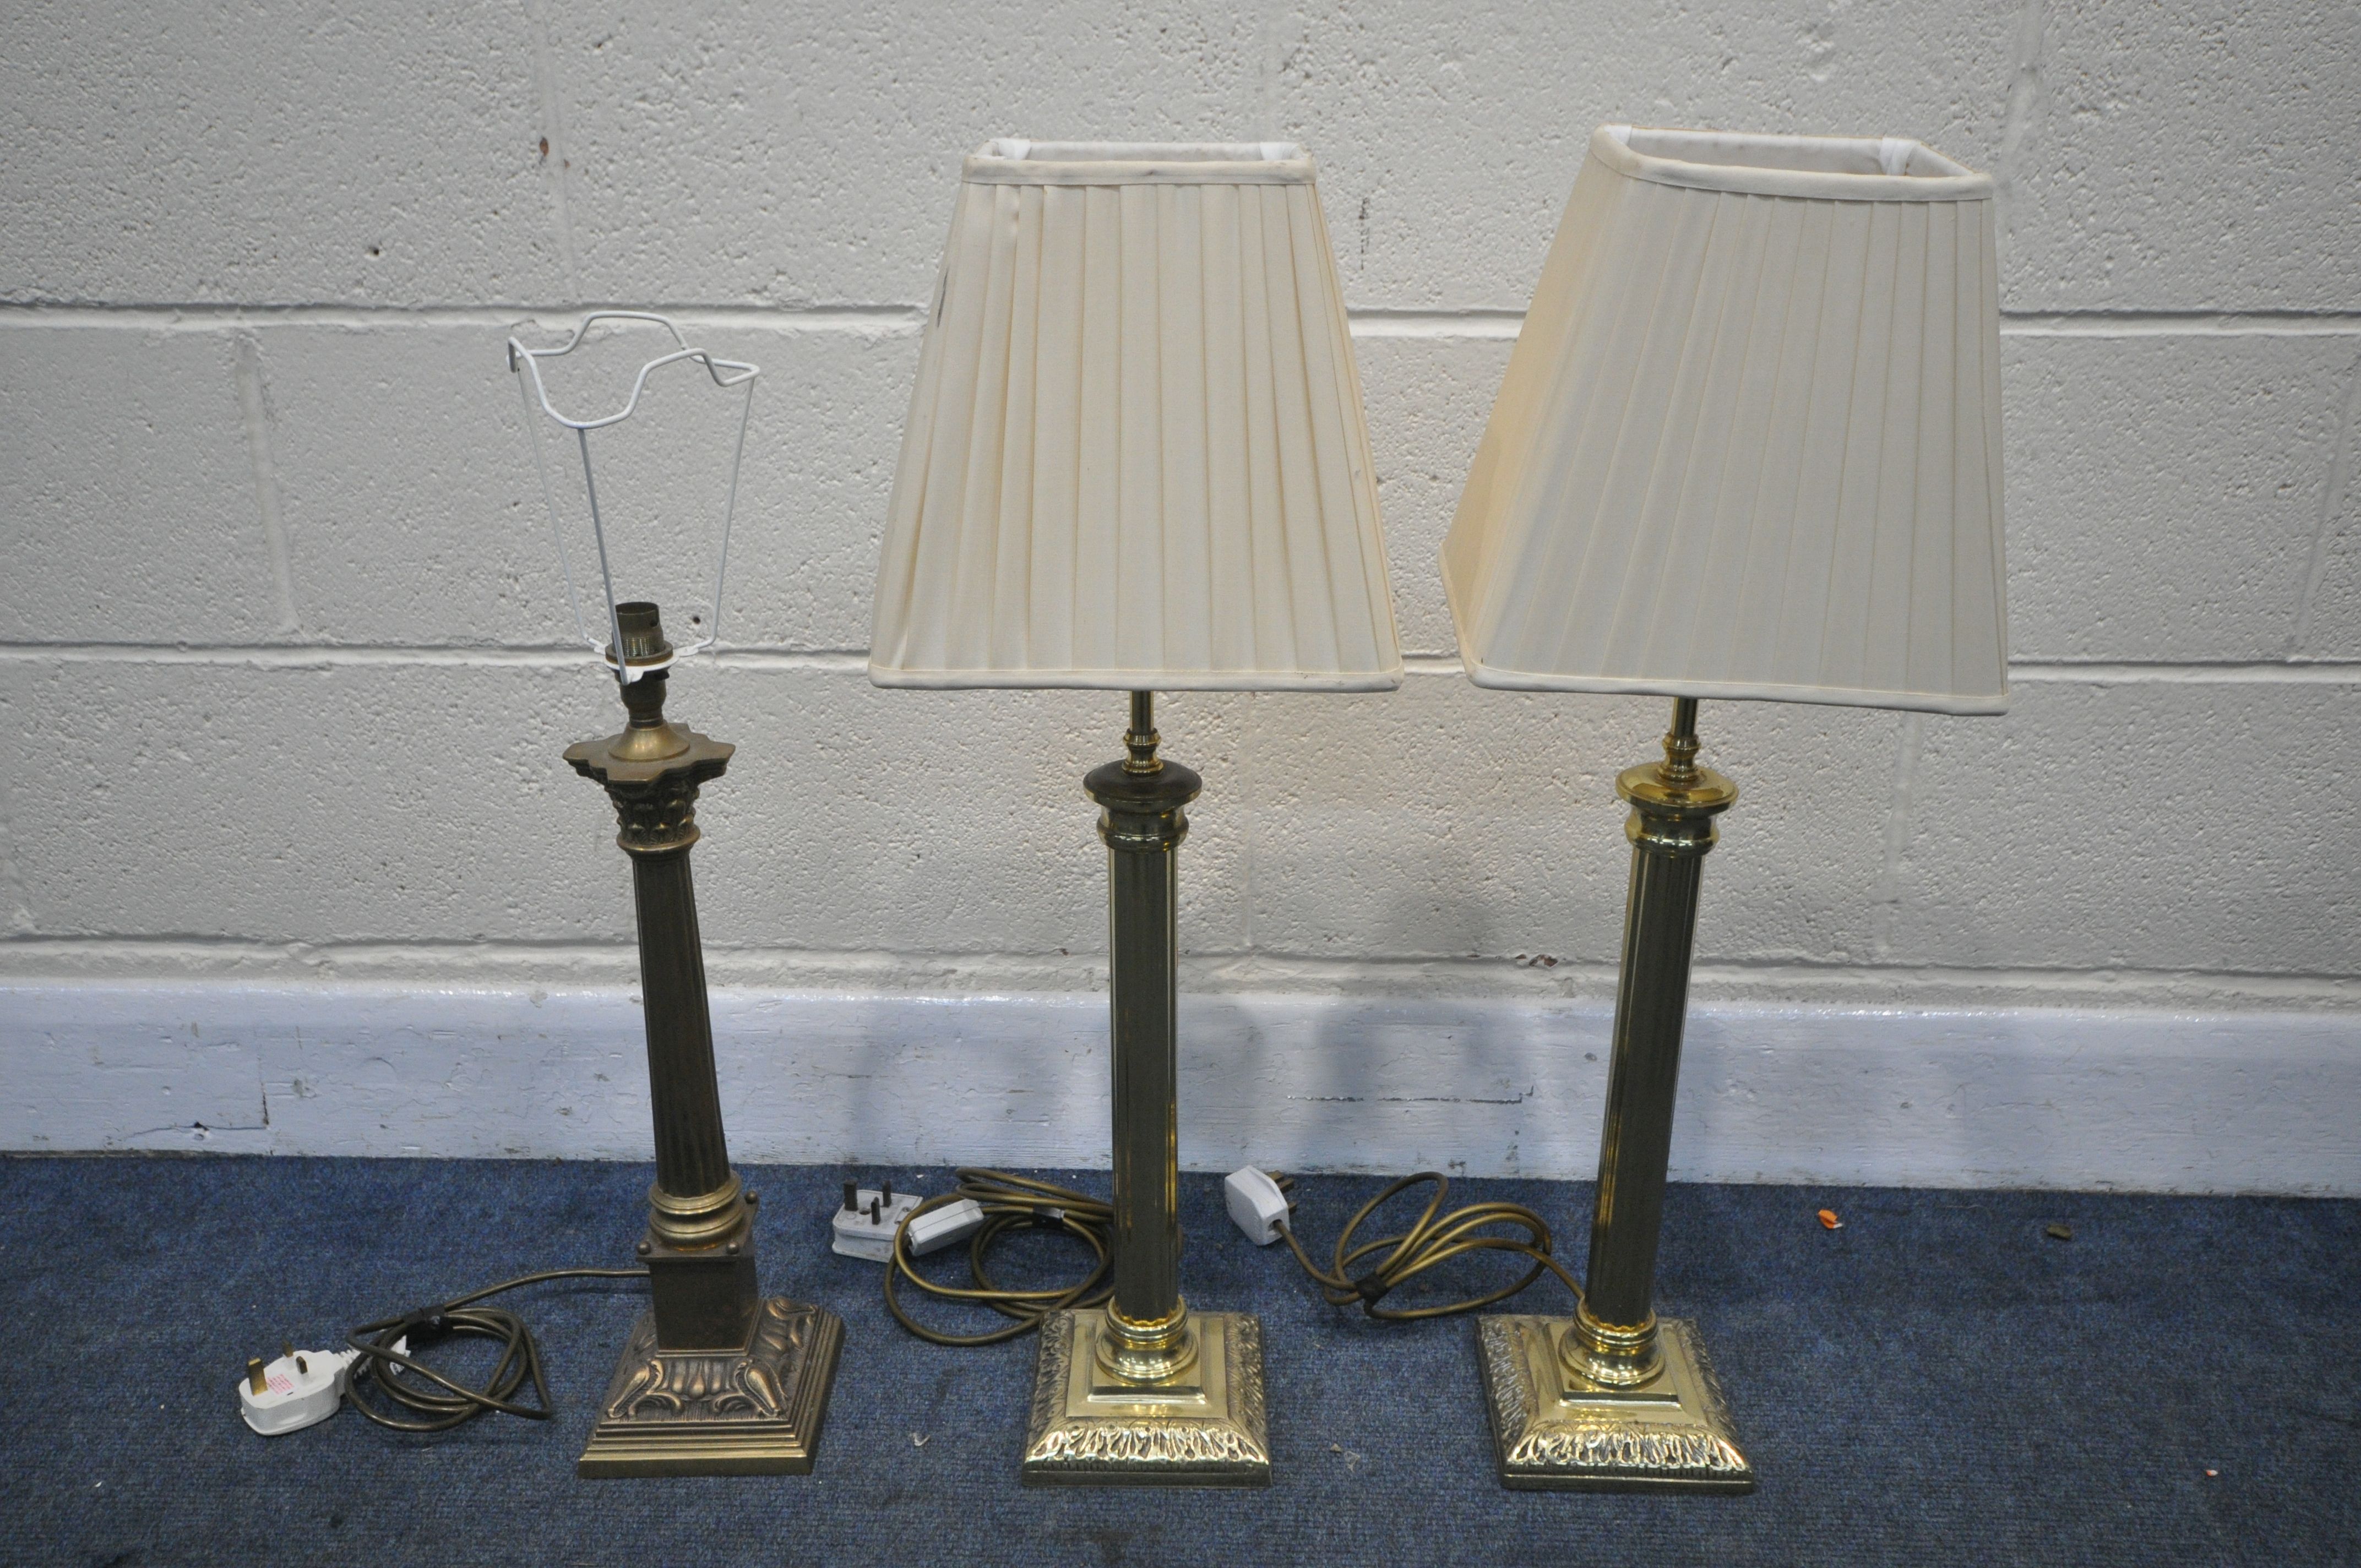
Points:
(1937, 1382)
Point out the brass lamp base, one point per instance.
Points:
(1555, 1431)
(1203, 1427)
(755, 1411)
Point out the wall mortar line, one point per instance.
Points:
(855, 661)
(2026, 47)
(17, 909)
(1370, 322)
(1909, 745)
(254, 411)
(556, 158)
(2333, 491)
(379, 963)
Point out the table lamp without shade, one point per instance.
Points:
(716, 1379)
(1136, 460)
(1748, 446)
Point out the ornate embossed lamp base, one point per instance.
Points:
(1203, 1428)
(1553, 1432)
(755, 1411)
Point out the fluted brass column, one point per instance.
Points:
(695, 1198)
(717, 1379)
(1613, 1398)
(1144, 1391)
(1148, 1336)
(1614, 1341)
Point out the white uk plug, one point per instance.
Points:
(864, 1226)
(299, 1389)
(1257, 1205)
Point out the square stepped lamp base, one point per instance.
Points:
(1204, 1428)
(1553, 1432)
(755, 1411)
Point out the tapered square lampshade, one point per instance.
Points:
(1748, 445)
(1136, 456)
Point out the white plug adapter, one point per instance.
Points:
(864, 1226)
(301, 1388)
(1257, 1205)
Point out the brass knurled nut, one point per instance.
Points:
(1143, 834)
(1148, 1353)
(1611, 1355)
(1159, 1334)
(704, 1220)
(674, 844)
(1142, 812)
(1675, 820)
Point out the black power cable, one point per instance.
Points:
(448, 1402)
(1429, 1241)
(1010, 1203)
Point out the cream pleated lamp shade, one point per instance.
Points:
(1136, 456)
(1748, 445)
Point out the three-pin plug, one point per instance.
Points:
(864, 1225)
(301, 1388)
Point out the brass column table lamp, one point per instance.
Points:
(1748, 446)
(1135, 461)
(717, 1379)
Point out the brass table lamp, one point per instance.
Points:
(1136, 460)
(716, 1379)
(1748, 446)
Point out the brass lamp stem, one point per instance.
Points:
(1681, 744)
(1143, 824)
(1613, 1398)
(1141, 738)
(1146, 1392)
(1614, 1341)
(716, 1379)
(652, 771)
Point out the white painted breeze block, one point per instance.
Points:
(281, 697)
(2063, 1098)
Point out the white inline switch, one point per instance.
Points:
(865, 1225)
(938, 1228)
(1256, 1204)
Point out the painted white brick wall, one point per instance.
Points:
(282, 685)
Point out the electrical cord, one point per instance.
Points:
(1426, 1244)
(519, 1360)
(1010, 1203)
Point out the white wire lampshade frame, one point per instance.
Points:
(727, 374)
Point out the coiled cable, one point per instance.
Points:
(446, 1402)
(1429, 1243)
(1010, 1203)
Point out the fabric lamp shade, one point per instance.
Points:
(1748, 444)
(1136, 456)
